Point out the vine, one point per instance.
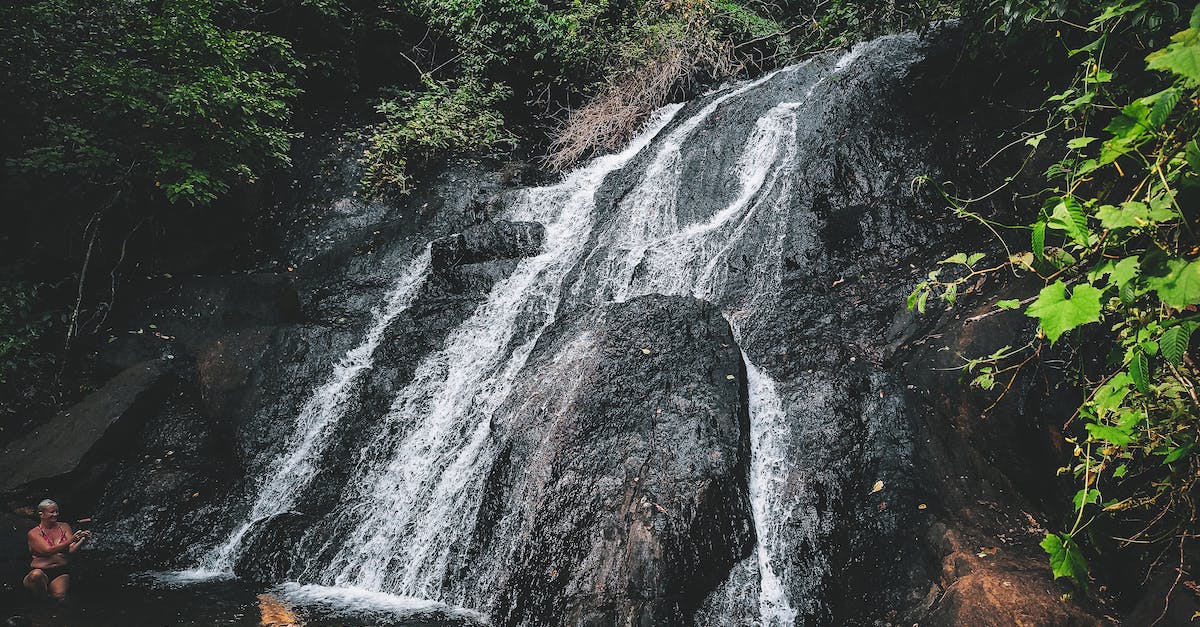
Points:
(1114, 244)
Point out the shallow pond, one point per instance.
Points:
(107, 599)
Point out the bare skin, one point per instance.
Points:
(51, 543)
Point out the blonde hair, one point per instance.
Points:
(45, 505)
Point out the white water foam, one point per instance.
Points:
(294, 467)
(377, 605)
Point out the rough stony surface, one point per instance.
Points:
(487, 242)
(269, 557)
(59, 447)
(621, 492)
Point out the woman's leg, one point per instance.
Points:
(35, 582)
(58, 587)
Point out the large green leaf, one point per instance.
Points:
(1108, 434)
(1118, 272)
(1068, 215)
(1065, 558)
(1174, 343)
(1059, 314)
(1180, 286)
(1162, 104)
(1182, 57)
(1139, 370)
(1038, 240)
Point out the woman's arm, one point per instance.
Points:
(80, 538)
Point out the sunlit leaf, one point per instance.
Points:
(1065, 558)
(1059, 314)
(1180, 286)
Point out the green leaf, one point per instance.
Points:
(1128, 292)
(1108, 434)
(1080, 142)
(1131, 123)
(1035, 140)
(1174, 343)
(1162, 104)
(1180, 286)
(1162, 209)
(1108, 397)
(1039, 240)
(916, 293)
(1192, 154)
(1065, 558)
(1085, 497)
(1118, 272)
(1129, 420)
(1115, 9)
(1059, 314)
(955, 258)
(1139, 369)
(1120, 471)
(1178, 452)
(1010, 303)
(1181, 57)
(974, 259)
(1130, 214)
(1125, 271)
(1068, 215)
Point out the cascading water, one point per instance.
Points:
(321, 412)
(404, 522)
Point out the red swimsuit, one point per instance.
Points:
(54, 572)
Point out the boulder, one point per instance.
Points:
(490, 241)
(621, 495)
(269, 547)
(60, 446)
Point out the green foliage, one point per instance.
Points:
(1058, 314)
(22, 325)
(1115, 227)
(26, 361)
(146, 97)
(1065, 558)
(421, 127)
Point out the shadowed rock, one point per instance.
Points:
(487, 242)
(60, 446)
(621, 497)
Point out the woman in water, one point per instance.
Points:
(51, 544)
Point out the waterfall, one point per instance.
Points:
(295, 465)
(415, 496)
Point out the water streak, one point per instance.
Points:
(292, 470)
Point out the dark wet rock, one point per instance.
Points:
(487, 242)
(62, 445)
(184, 315)
(225, 367)
(622, 487)
(154, 503)
(269, 547)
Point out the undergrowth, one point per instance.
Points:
(1112, 237)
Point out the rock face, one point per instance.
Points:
(268, 557)
(487, 242)
(620, 497)
(60, 446)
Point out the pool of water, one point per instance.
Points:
(108, 599)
